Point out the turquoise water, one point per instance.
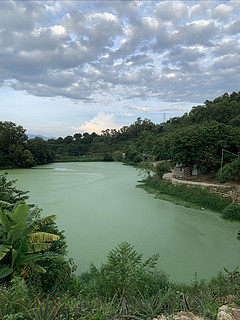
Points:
(99, 206)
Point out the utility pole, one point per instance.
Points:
(164, 117)
(223, 150)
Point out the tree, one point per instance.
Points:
(202, 144)
(20, 245)
(125, 272)
(40, 150)
(117, 155)
(133, 155)
(162, 168)
(10, 133)
(12, 142)
(77, 136)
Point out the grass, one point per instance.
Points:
(191, 196)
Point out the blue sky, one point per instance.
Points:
(76, 66)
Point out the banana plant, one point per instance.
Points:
(21, 245)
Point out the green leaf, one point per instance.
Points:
(5, 271)
(21, 213)
(21, 247)
(16, 232)
(35, 224)
(4, 204)
(4, 249)
(38, 268)
(28, 258)
(14, 255)
(39, 246)
(4, 220)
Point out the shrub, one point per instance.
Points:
(230, 172)
(232, 212)
(125, 271)
(162, 168)
(107, 157)
(13, 299)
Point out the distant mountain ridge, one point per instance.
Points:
(32, 136)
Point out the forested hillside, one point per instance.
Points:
(197, 138)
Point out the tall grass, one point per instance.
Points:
(192, 195)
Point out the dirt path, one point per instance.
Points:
(226, 190)
(169, 176)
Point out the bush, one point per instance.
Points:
(108, 157)
(232, 212)
(162, 168)
(230, 172)
(125, 272)
(13, 299)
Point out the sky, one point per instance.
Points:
(86, 66)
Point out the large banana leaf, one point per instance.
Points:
(39, 246)
(43, 237)
(4, 249)
(29, 258)
(4, 220)
(16, 232)
(20, 214)
(35, 224)
(21, 247)
(5, 271)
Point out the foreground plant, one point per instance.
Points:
(20, 243)
(125, 271)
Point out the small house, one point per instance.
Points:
(181, 171)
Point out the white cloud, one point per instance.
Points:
(222, 12)
(171, 10)
(100, 122)
(120, 52)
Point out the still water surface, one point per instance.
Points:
(99, 206)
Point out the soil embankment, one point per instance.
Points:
(226, 190)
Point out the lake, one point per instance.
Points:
(99, 206)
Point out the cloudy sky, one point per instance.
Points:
(76, 66)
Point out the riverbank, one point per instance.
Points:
(225, 190)
(190, 194)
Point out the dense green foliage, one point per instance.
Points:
(196, 139)
(31, 245)
(86, 299)
(17, 151)
(202, 197)
(125, 272)
(230, 172)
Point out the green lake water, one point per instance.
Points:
(99, 206)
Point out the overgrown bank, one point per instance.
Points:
(186, 195)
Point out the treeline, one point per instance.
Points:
(196, 138)
(17, 151)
